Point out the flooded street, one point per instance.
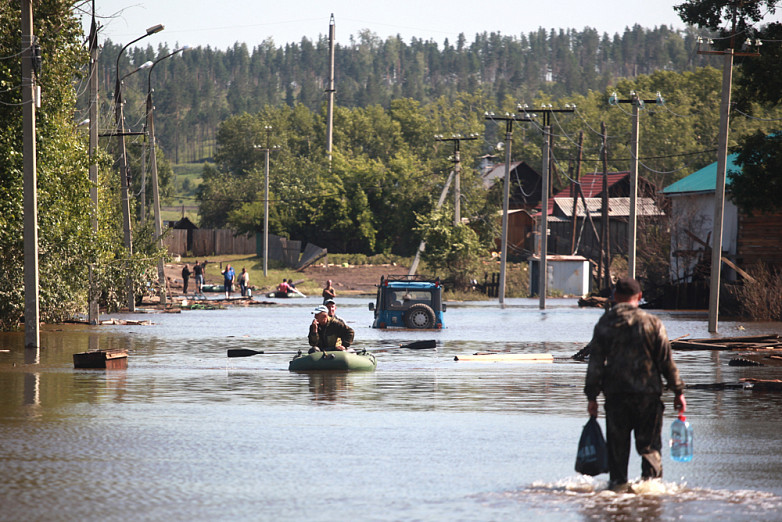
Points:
(186, 433)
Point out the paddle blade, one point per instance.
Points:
(420, 345)
(242, 352)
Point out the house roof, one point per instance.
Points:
(497, 172)
(703, 180)
(592, 184)
(617, 207)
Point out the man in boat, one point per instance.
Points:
(332, 306)
(630, 353)
(328, 333)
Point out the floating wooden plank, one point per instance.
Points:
(506, 357)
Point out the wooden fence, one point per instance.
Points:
(205, 242)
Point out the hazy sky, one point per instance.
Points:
(221, 23)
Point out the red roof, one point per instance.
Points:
(591, 185)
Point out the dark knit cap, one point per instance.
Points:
(627, 286)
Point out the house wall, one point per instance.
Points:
(760, 240)
(694, 213)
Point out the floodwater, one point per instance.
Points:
(187, 434)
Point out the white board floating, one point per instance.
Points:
(506, 357)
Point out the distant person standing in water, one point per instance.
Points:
(198, 273)
(244, 281)
(629, 354)
(328, 292)
(185, 278)
(228, 280)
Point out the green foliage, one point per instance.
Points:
(453, 252)
(718, 14)
(200, 88)
(758, 186)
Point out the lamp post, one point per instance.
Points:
(153, 167)
(123, 157)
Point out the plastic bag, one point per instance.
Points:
(592, 457)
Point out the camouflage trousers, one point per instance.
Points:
(641, 414)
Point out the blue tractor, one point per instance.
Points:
(408, 302)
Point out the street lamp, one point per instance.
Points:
(153, 166)
(123, 157)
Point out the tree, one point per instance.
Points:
(452, 251)
(757, 187)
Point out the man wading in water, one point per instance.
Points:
(630, 352)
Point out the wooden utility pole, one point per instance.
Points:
(457, 169)
(575, 187)
(548, 146)
(632, 228)
(267, 151)
(508, 119)
(722, 161)
(93, 308)
(32, 336)
(604, 267)
(330, 91)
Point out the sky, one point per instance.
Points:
(221, 23)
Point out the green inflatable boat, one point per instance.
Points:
(337, 360)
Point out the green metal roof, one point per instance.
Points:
(704, 180)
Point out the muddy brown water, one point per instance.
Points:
(187, 434)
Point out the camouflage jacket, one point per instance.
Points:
(326, 336)
(630, 353)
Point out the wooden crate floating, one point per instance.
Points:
(101, 359)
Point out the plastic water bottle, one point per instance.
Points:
(681, 439)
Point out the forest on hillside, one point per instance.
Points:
(196, 91)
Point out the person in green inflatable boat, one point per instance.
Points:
(328, 333)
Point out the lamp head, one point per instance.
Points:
(155, 29)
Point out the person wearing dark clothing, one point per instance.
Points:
(198, 273)
(185, 278)
(327, 333)
(328, 292)
(629, 354)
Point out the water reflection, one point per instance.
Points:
(186, 432)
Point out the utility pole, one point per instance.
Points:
(32, 335)
(93, 308)
(722, 161)
(548, 145)
(575, 187)
(457, 169)
(604, 275)
(330, 109)
(632, 226)
(508, 119)
(267, 150)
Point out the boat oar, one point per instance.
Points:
(246, 352)
(420, 345)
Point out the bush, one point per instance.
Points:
(760, 299)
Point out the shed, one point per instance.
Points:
(566, 274)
